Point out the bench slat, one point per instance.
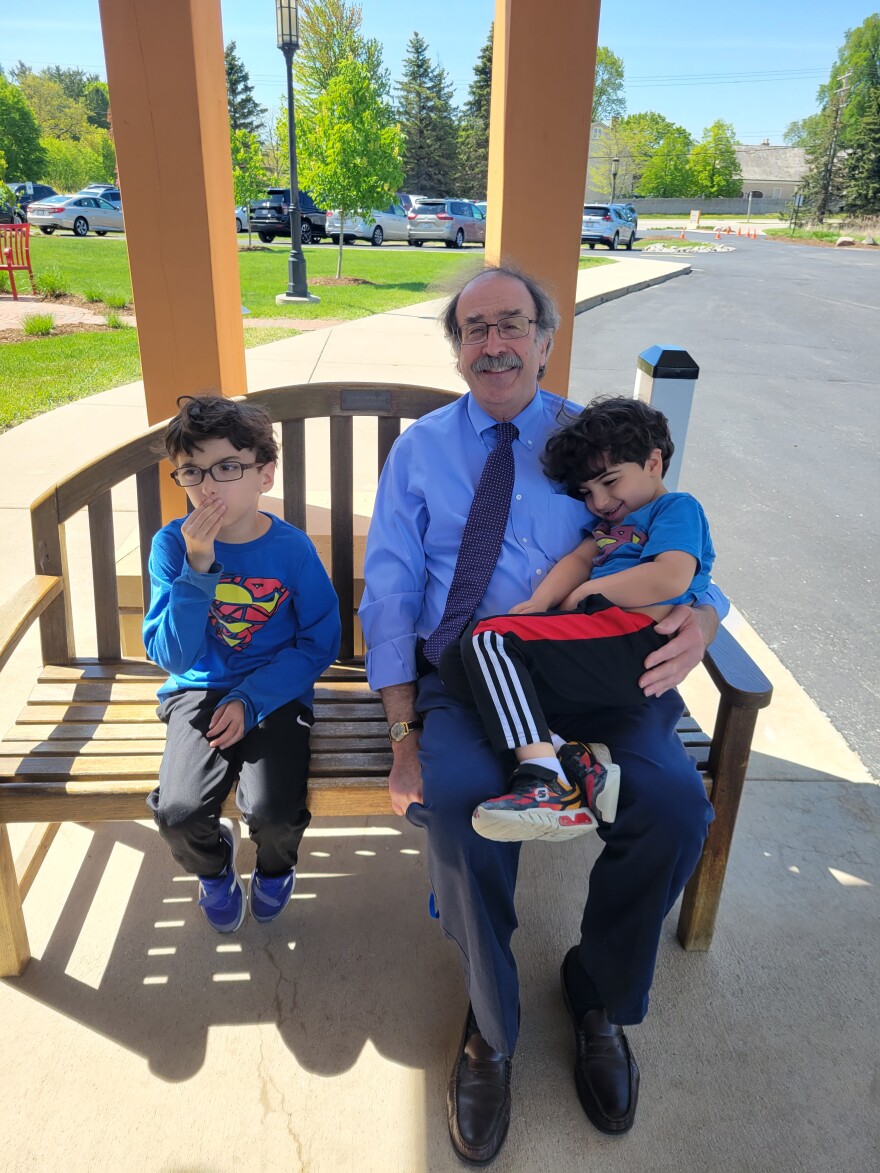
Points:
(111, 714)
(144, 691)
(108, 767)
(95, 748)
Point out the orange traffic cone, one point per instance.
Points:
(739, 230)
(682, 237)
(717, 233)
(728, 230)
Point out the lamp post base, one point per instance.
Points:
(284, 298)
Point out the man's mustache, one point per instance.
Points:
(496, 362)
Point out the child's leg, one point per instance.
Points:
(272, 787)
(194, 779)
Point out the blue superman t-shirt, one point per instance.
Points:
(674, 521)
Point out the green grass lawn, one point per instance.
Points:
(399, 276)
(831, 234)
(43, 373)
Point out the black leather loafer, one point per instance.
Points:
(605, 1073)
(478, 1097)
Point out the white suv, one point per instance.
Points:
(607, 224)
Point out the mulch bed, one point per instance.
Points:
(67, 328)
(340, 281)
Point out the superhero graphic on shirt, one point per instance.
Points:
(241, 606)
(609, 537)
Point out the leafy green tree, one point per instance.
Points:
(714, 166)
(862, 194)
(473, 130)
(70, 165)
(667, 173)
(248, 172)
(608, 97)
(843, 103)
(636, 138)
(58, 116)
(349, 153)
(19, 136)
(273, 136)
(330, 33)
(245, 113)
(96, 98)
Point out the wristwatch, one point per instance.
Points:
(401, 729)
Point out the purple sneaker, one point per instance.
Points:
(268, 896)
(222, 898)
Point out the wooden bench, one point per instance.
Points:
(87, 745)
(15, 253)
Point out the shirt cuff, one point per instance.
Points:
(393, 662)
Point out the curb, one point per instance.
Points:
(588, 303)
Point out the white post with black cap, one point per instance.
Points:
(665, 378)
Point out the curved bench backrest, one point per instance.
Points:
(90, 488)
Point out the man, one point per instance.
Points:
(430, 508)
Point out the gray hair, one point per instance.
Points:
(547, 315)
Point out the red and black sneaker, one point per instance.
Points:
(539, 806)
(590, 768)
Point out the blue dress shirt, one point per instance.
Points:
(424, 496)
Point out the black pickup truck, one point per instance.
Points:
(271, 217)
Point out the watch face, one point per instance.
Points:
(397, 732)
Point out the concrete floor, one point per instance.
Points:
(138, 1039)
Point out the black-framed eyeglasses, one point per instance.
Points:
(516, 326)
(190, 475)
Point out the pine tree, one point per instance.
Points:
(473, 131)
(245, 113)
(428, 122)
(862, 195)
(415, 102)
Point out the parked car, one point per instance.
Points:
(388, 224)
(481, 204)
(241, 217)
(454, 222)
(105, 191)
(271, 217)
(23, 197)
(78, 213)
(407, 199)
(629, 211)
(606, 224)
(10, 214)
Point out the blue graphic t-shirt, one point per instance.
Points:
(674, 521)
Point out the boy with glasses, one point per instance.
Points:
(244, 619)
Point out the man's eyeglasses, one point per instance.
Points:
(516, 326)
(227, 470)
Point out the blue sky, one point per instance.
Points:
(756, 65)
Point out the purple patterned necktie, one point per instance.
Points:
(480, 543)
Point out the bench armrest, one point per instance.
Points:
(26, 605)
(735, 674)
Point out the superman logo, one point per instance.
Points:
(241, 606)
(609, 537)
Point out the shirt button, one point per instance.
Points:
(529, 443)
(519, 496)
(539, 572)
(524, 541)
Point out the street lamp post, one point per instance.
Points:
(615, 167)
(287, 25)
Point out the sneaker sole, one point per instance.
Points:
(606, 804)
(517, 826)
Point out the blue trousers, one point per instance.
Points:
(650, 851)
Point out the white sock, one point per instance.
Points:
(547, 763)
(557, 742)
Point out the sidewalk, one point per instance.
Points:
(323, 1043)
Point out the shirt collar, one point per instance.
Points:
(530, 420)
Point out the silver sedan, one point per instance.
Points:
(79, 214)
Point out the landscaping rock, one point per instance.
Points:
(844, 241)
(869, 239)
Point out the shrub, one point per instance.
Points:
(50, 283)
(115, 322)
(116, 301)
(37, 324)
(93, 295)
